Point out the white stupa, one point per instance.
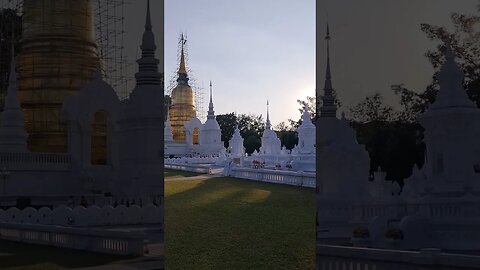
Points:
(306, 134)
(303, 154)
(236, 144)
(344, 163)
(141, 123)
(211, 134)
(167, 134)
(452, 129)
(13, 137)
(271, 144)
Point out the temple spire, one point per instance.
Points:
(148, 23)
(329, 108)
(148, 65)
(211, 112)
(268, 124)
(182, 69)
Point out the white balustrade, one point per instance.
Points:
(354, 258)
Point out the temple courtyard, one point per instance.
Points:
(210, 223)
(229, 223)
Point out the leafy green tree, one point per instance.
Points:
(227, 123)
(251, 128)
(252, 143)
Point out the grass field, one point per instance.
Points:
(16, 256)
(226, 223)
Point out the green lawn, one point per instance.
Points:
(226, 223)
(18, 256)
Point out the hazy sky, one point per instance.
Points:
(252, 50)
(377, 43)
(258, 49)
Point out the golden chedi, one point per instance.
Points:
(182, 107)
(58, 57)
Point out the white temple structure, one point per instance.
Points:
(200, 139)
(344, 165)
(236, 144)
(303, 154)
(132, 173)
(271, 144)
(438, 206)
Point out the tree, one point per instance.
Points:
(252, 143)
(310, 103)
(394, 140)
(227, 123)
(372, 109)
(465, 42)
(251, 128)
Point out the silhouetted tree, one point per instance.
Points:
(394, 139)
(310, 102)
(227, 123)
(372, 109)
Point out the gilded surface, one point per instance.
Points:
(58, 58)
(181, 110)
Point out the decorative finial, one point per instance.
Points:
(268, 124)
(148, 23)
(211, 91)
(183, 68)
(211, 112)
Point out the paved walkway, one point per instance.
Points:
(188, 178)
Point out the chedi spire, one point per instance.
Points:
(148, 65)
(211, 112)
(329, 108)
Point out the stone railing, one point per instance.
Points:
(192, 160)
(436, 211)
(341, 257)
(84, 217)
(95, 240)
(275, 176)
(188, 168)
(35, 161)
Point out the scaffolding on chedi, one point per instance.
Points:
(59, 54)
(109, 28)
(196, 87)
(110, 38)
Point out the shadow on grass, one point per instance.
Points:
(228, 223)
(29, 256)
